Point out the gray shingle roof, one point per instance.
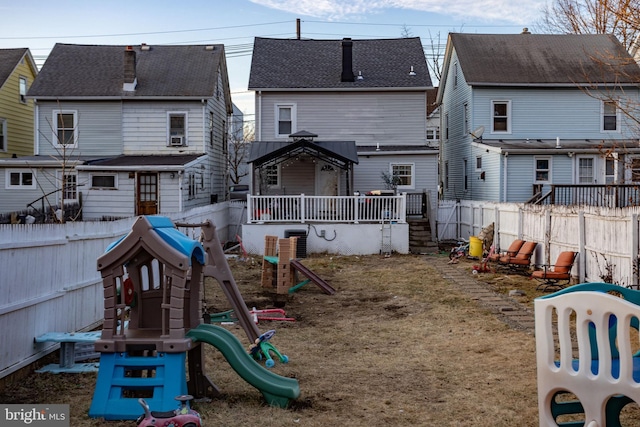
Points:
(141, 160)
(98, 71)
(317, 64)
(8, 61)
(263, 151)
(516, 59)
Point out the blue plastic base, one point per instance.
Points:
(168, 380)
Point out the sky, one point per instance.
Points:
(40, 24)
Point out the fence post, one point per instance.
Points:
(302, 208)
(634, 252)
(581, 248)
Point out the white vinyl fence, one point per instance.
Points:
(606, 239)
(49, 280)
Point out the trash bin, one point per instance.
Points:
(475, 247)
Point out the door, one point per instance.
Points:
(327, 185)
(147, 194)
(586, 174)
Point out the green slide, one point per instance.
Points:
(277, 390)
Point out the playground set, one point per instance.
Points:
(280, 268)
(153, 278)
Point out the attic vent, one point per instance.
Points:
(144, 46)
(209, 47)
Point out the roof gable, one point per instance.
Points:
(317, 64)
(9, 60)
(98, 71)
(543, 59)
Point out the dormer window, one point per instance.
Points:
(177, 132)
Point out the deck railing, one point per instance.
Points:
(344, 209)
(612, 196)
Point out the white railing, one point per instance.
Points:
(350, 209)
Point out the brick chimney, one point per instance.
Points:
(130, 80)
(347, 61)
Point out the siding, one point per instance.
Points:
(119, 203)
(389, 118)
(548, 113)
(17, 199)
(99, 128)
(145, 127)
(19, 115)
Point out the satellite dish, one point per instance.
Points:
(477, 134)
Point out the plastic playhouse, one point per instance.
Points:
(153, 278)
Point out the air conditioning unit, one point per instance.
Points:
(177, 141)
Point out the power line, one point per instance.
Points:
(147, 33)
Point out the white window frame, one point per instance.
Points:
(446, 126)
(548, 170)
(184, 135)
(61, 183)
(479, 163)
(493, 116)
(433, 133)
(55, 140)
(115, 181)
(455, 75)
(22, 89)
(613, 177)
(412, 176)
(3, 135)
(7, 181)
(603, 115)
(278, 107)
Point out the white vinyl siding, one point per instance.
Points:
(99, 128)
(387, 118)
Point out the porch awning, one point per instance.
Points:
(341, 153)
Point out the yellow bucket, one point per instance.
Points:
(475, 247)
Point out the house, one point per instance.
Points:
(334, 117)
(17, 72)
(524, 112)
(125, 130)
(335, 120)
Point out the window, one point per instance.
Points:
(465, 113)
(501, 121)
(211, 128)
(609, 116)
(465, 174)
(446, 175)
(272, 176)
(446, 126)
(193, 188)
(635, 169)
(103, 182)
(3, 135)
(69, 187)
(610, 169)
(433, 134)
(23, 89)
(19, 179)
(478, 163)
(65, 128)
(455, 75)
(285, 120)
(542, 169)
(403, 175)
(177, 136)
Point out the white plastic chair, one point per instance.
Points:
(606, 375)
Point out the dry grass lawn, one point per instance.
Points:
(397, 345)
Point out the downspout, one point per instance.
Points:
(504, 177)
(36, 119)
(259, 116)
(204, 124)
(180, 175)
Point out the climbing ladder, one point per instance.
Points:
(122, 379)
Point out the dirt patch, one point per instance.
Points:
(396, 345)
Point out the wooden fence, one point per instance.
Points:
(49, 280)
(606, 239)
